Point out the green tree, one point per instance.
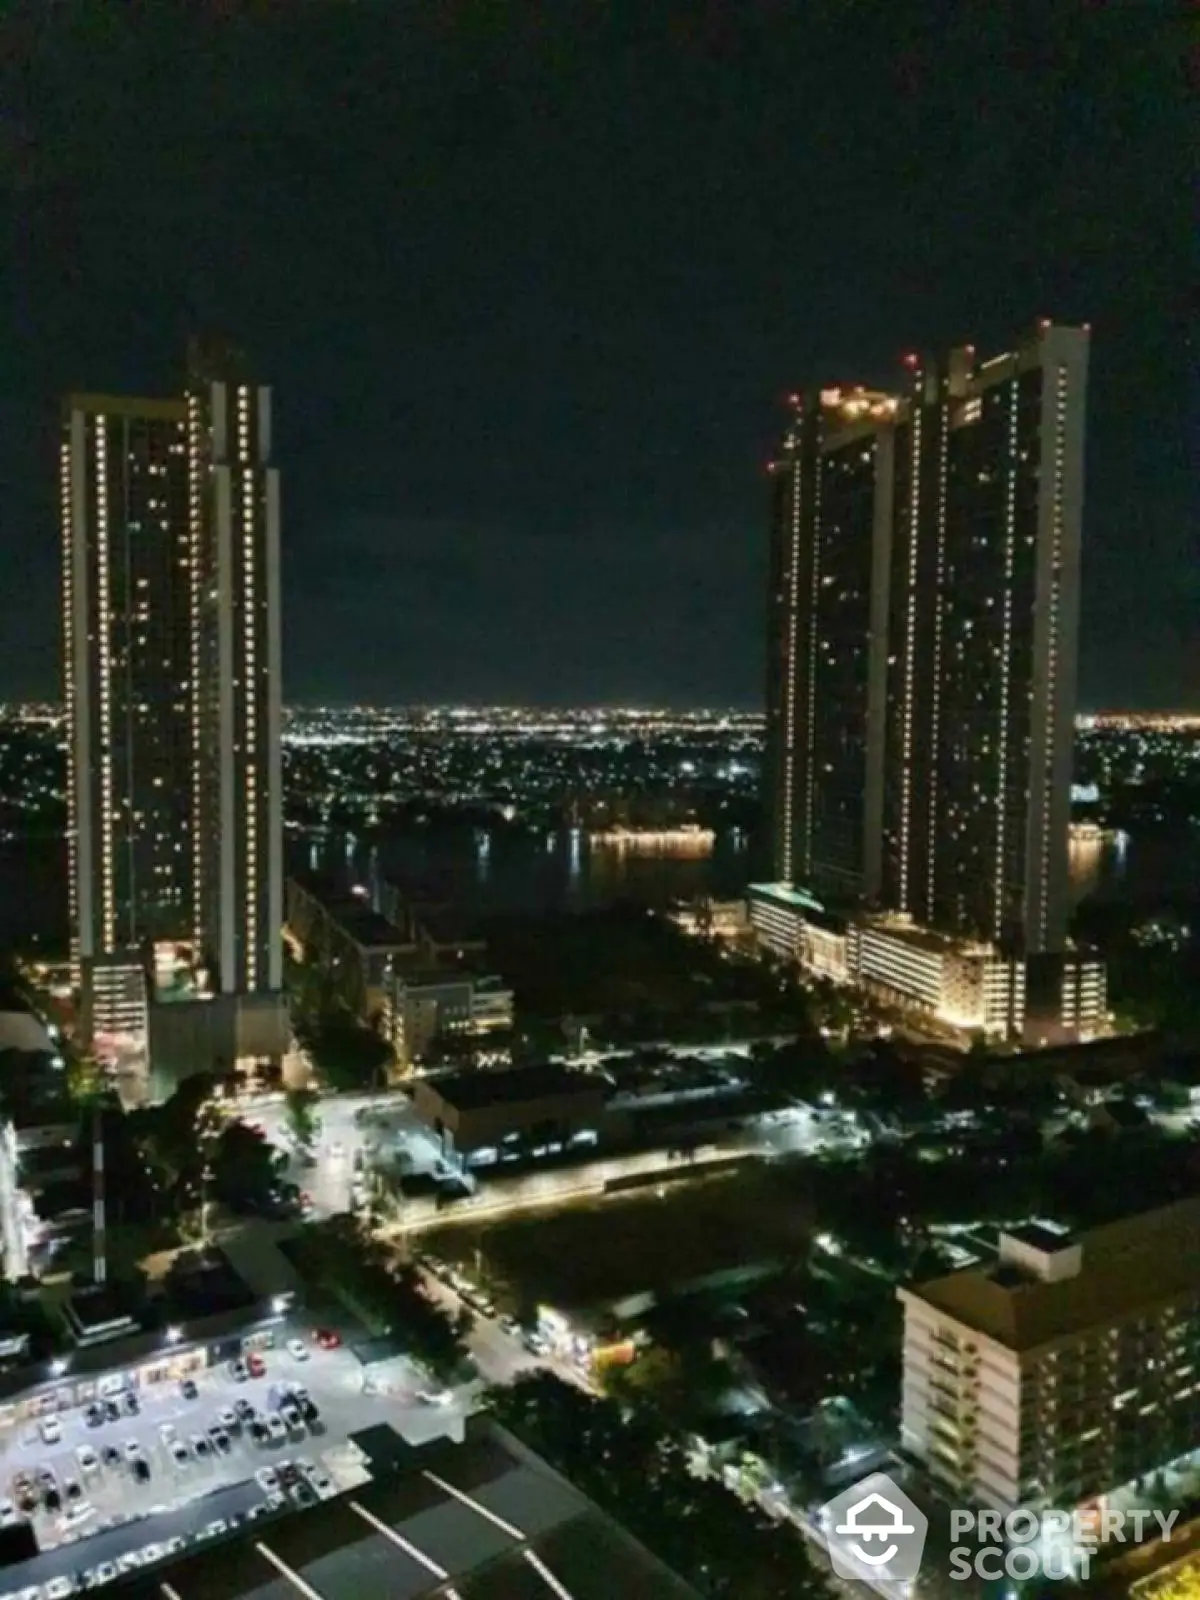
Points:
(303, 1119)
(626, 1461)
(436, 1338)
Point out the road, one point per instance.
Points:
(354, 1123)
(349, 1123)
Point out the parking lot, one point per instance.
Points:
(102, 1505)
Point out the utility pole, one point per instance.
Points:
(99, 1218)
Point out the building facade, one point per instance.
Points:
(126, 606)
(171, 648)
(1063, 1373)
(923, 624)
(237, 791)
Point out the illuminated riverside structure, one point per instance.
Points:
(689, 839)
(924, 600)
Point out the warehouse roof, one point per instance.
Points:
(485, 1520)
(472, 1091)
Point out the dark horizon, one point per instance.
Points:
(531, 289)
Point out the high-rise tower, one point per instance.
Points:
(233, 509)
(171, 611)
(922, 646)
(126, 600)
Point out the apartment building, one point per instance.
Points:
(1064, 1371)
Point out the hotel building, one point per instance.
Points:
(923, 626)
(1065, 1371)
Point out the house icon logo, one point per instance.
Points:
(874, 1531)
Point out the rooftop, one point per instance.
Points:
(471, 1091)
(923, 938)
(1042, 1236)
(1136, 1265)
(485, 1520)
(787, 894)
(443, 926)
(353, 913)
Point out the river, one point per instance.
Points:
(510, 870)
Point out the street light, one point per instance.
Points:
(174, 1335)
(57, 1367)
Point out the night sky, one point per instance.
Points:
(531, 279)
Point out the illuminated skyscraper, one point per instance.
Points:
(126, 602)
(233, 505)
(923, 639)
(170, 513)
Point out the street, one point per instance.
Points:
(348, 1124)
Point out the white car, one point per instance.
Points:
(297, 1349)
(50, 1429)
(276, 1428)
(104, 1573)
(8, 1514)
(87, 1458)
(180, 1453)
(267, 1479)
(435, 1397)
(58, 1589)
(133, 1449)
(227, 1419)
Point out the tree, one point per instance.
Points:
(626, 1461)
(303, 1120)
(243, 1168)
(800, 1070)
(435, 1337)
(86, 1080)
(390, 1299)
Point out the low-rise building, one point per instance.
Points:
(428, 1005)
(418, 979)
(1062, 1372)
(966, 986)
(539, 1109)
(344, 934)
